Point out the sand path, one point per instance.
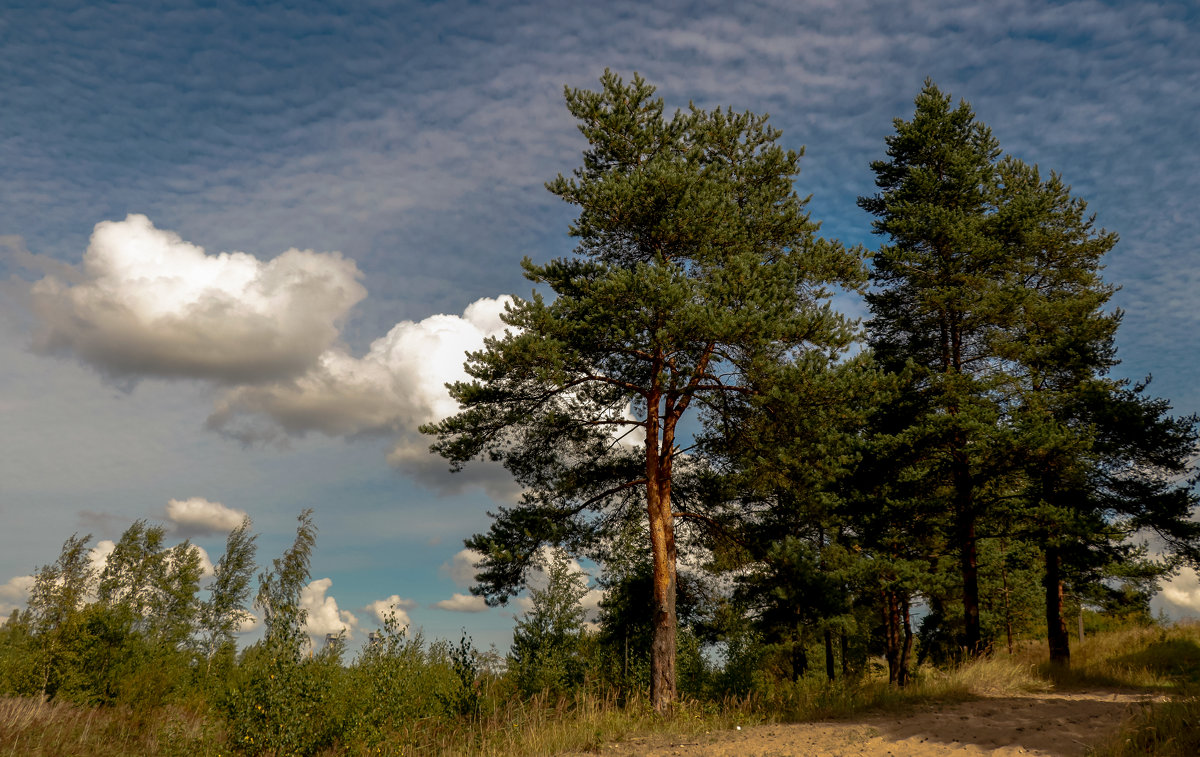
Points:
(1055, 725)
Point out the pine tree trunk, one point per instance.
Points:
(845, 655)
(906, 652)
(1056, 625)
(662, 650)
(968, 561)
(1008, 626)
(662, 547)
(891, 635)
(829, 654)
(799, 657)
(663, 551)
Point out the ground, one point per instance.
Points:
(1047, 724)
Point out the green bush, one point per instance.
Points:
(278, 704)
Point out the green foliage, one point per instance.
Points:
(398, 681)
(55, 603)
(277, 701)
(463, 699)
(225, 609)
(696, 265)
(547, 639)
(279, 592)
(281, 704)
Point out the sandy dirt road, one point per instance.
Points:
(1054, 725)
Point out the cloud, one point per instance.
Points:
(324, 617)
(462, 603)
(144, 302)
(1183, 592)
(99, 554)
(14, 593)
(399, 384)
(250, 622)
(462, 567)
(461, 570)
(206, 564)
(199, 516)
(381, 608)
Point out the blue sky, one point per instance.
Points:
(414, 139)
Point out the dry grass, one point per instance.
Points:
(546, 725)
(1169, 729)
(1165, 660)
(33, 728)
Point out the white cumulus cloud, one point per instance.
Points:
(98, 555)
(197, 515)
(381, 608)
(206, 564)
(323, 613)
(398, 385)
(144, 302)
(461, 568)
(13, 595)
(462, 603)
(1183, 592)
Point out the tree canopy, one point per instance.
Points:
(697, 266)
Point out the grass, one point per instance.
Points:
(585, 722)
(1170, 729)
(33, 728)
(1164, 661)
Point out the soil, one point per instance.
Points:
(1057, 724)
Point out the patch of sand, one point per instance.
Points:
(1050, 725)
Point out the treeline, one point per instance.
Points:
(973, 458)
(978, 457)
(140, 635)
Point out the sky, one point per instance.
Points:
(243, 246)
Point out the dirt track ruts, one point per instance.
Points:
(1050, 724)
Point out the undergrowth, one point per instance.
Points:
(1164, 661)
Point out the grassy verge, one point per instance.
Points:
(1164, 661)
(33, 728)
(1169, 729)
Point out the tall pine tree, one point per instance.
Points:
(937, 302)
(696, 263)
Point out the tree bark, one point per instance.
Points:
(906, 652)
(662, 547)
(799, 656)
(829, 655)
(845, 655)
(893, 646)
(1056, 625)
(1008, 626)
(968, 557)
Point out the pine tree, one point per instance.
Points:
(1056, 349)
(937, 302)
(696, 263)
(990, 294)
